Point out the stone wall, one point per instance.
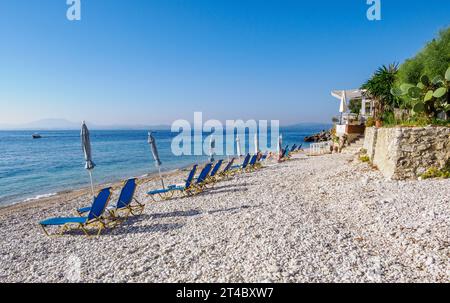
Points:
(369, 141)
(407, 152)
(385, 154)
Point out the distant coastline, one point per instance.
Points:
(62, 125)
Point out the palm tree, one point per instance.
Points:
(379, 89)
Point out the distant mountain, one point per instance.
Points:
(62, 124)
(47, 124)
(310, 125)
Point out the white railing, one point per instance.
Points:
(320, 148)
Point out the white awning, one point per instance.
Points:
(349, 94)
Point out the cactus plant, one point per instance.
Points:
(419, 107)
(414, 92)
(429, 97)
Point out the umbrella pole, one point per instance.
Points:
(160, 176)
(92, 183)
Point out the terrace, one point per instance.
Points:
(354, 111)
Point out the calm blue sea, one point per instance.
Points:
(33, 168)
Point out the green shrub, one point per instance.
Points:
(422, 85)
(423, 120)
(434, 172)
(389, 119)
(370, 122)
(431, 61)
(364, 158)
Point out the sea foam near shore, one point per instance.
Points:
(38, 197)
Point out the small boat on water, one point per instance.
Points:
(36, 136)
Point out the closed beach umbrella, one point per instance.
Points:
(212, 147)
(238, 146)
(154, 149)
(256, 144)
(343, 105)
(86, 145)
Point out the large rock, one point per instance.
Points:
(320, 137)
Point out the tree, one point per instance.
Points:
(432, 60)
(379, 89)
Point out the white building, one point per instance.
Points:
(352, 124)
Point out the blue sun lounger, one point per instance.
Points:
(227, 168)
(214, 172)
(236, 168)
(285, 152)
(200, 183)
(94, 217)
(216, 168)
(293, 148)
(126, 203)
(168, 192)
(251, 164)
(225, 172)
(263, 157)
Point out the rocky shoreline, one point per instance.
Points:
(310, 219)
(323, 136)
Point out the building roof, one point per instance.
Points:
(350, 94)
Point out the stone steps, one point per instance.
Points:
(354, 147)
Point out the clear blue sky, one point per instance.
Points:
(153, 61)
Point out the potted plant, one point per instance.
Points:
(370, 122)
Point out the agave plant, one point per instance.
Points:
(429, 96)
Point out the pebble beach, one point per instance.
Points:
(328, 218)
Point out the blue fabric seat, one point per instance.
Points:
(216, 168)
(165, 193)
(228, 167)
(244, 163)
(162, 191)
(94, 217)
(285, 152)
(252, 164)
(126, 202)
(62, 221)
